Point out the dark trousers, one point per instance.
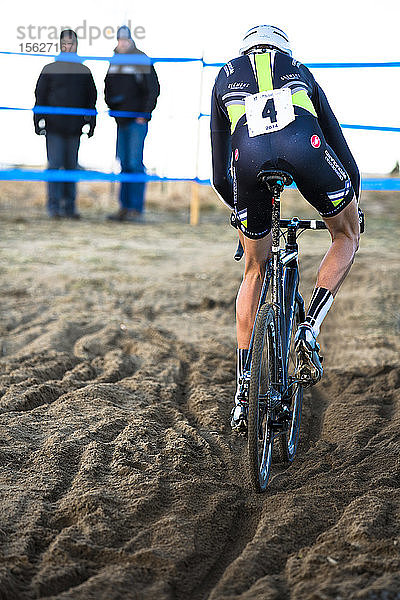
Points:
(62, 153)
(130, 144)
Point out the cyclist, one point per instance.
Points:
(269, 112)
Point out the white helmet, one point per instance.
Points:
(266, 35)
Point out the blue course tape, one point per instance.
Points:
(128, 114)
(82, 175)
(117, 59)
(143, 59)
(370, 127)
(329, 65)
(387, 184)
(65, 110)
(355, 65)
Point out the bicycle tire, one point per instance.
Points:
(261, 413)
(288, 441)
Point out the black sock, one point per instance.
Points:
(241, 357)
(320, 303)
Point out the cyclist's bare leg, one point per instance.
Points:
(256, 253)
(345, 233)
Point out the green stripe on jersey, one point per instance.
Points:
(235, 111)
(303, 101)
(264, 71)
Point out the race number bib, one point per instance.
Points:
(267, 112)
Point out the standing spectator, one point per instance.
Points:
(133, 88)
(64, 83)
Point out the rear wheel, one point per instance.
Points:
(289, 440)
(261, 405)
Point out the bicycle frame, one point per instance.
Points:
(282, 273)
(269, 379)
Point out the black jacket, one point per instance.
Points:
(132, 87)
(66, 84)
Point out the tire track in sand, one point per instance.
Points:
(156, 502)
(206, 398)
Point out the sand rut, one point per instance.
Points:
(133, 469)
(119, 477)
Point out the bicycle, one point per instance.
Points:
(269, 381)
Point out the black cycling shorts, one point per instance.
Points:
(301, 150)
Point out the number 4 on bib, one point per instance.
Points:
(267, 112)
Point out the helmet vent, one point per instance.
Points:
(282, 36)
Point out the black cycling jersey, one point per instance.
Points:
(269, 112)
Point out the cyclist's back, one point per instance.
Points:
(268, 111)
(262, 72)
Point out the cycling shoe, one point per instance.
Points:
(239, 415)
(309, 361)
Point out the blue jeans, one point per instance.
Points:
(130, 144)
(62, 153)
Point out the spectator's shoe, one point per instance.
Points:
(120, 215)
(309, 361)
(128, 216)
(55, 216)
(239, 413)
(75, 216)
(134, 216)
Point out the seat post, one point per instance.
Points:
(274, 181)
(276, 213)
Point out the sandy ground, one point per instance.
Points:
(119, 477)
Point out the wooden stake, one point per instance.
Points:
(195, 201)
(194, 204)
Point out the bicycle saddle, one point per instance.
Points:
(271, 178)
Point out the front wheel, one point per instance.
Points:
(261, 398)
(289, 440)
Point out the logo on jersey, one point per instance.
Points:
(338, 196)
(315, 141)
(238, 85)
(335, 166)
(290, 76)
(229, 70)
(242, 216)
(237, 154)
